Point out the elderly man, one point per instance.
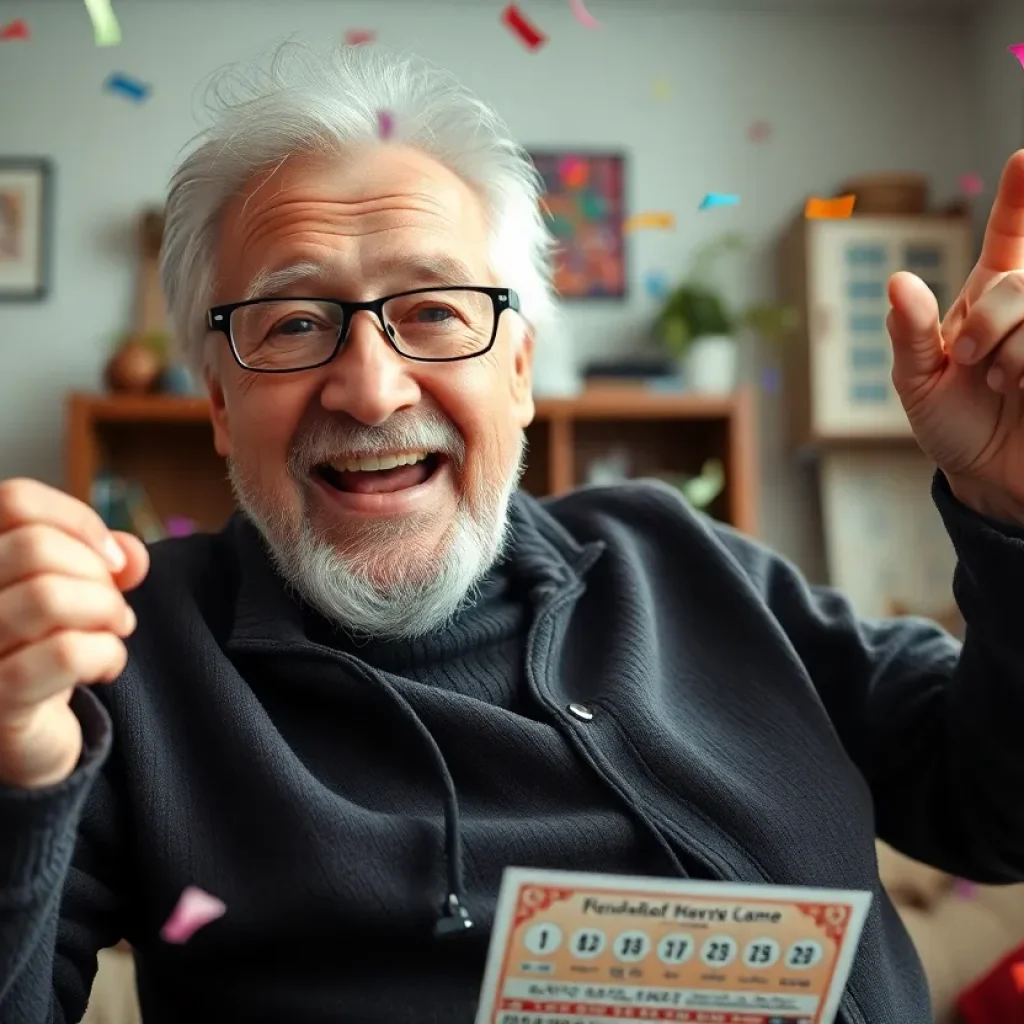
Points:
(393, 674)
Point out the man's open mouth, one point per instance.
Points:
(379, 474)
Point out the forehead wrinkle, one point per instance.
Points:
(340, 217)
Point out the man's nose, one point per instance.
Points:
(368, 379)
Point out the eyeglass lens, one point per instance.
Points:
(277, 334)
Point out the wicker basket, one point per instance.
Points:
(893, 194)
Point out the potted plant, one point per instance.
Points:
(698, 328)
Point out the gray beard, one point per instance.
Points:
(378, 587)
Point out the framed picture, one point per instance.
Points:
(26, 185)
(585, 203)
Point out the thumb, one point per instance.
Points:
(136, 560)
(914, 329)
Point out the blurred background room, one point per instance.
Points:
(725, 311)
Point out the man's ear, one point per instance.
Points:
(522, 379)
(218, 415)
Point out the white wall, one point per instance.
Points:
(846, 94)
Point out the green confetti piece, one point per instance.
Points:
(106, 30)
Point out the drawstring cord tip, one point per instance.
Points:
(454, 919)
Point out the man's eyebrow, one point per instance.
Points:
(427, 269)
(268, 284)
(414, 270)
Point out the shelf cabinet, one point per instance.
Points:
(835, 272)
(165, 444)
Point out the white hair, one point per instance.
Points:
(302, 101)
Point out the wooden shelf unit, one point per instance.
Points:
(165, 443)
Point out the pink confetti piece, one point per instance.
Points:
(385, 125)
(971, 184)
(1018, 51)
(195, 909)
(582, 15)
(359, 37)
(965, 890)
(759, 131)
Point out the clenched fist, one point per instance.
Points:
(63, 621)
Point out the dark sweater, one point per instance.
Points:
(745, 727)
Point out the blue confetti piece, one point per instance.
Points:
(771, 380)
(132, 88)
(656, 285)
(718, 199)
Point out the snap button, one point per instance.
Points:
(581, 711)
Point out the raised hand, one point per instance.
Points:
(63, 620)
(961, 381)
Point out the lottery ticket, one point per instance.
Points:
(577, 948)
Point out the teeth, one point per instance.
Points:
(370, 463)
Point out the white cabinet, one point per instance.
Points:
(838, 379)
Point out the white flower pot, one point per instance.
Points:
(711, 364)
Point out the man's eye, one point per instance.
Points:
(297, 325)
(433, 314)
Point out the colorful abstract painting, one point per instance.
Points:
(585, 204)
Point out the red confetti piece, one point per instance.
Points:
(358, 37)
(195, 909)
(531, 36)
(1017, 971)
(385, 124)
(971, 184)
(15, 30)
(1018, 51)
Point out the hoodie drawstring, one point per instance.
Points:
(454, 917)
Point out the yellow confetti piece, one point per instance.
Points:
(664, 221)
(830, 209)
(106, 30)
(662, 91)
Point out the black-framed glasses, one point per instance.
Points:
(430, 325)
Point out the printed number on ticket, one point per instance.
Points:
(572, 948)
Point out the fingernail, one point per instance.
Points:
(995, 378)
(113, 554)
(963, 350)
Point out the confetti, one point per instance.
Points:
(582, 15)
(650, 220)
(385, 124)
(106, 30)
(195, 909)
(656, 285)
(531, 36)
(1018, 51)
(771, 380)
(15, 30)
(1017, 971)
(359, 37)
(759, 131)
(718, 199)
(830, 209)
(971, 184)
(126, 86)
(662, 90)
(965, 890)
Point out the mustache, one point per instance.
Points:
(328, 439)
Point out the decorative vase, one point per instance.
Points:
(133, 369)
(711, 363)
(177, 380)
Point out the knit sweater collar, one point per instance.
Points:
(541, 556)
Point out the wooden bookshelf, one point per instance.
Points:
(165, 443)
